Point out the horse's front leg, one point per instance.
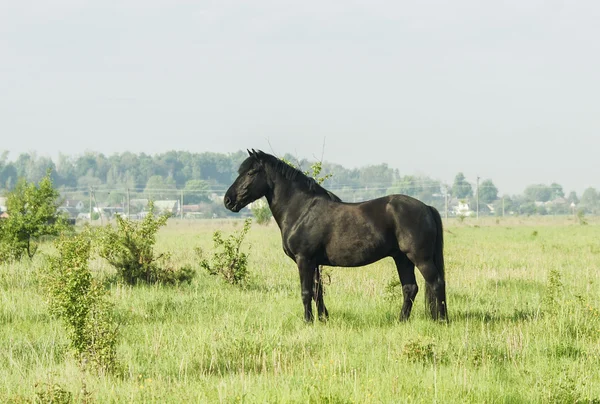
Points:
(306, 268)
(318, 296)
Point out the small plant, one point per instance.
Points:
(315, 172)
(393, 290)
(81, 303)
(130, 249)
(553, 290)
(227, 260)
(581, 217)
(461, 217)
(52, 393)
(419, 350)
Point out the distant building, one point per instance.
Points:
(167, 206)
(461, 208)
(72, 203)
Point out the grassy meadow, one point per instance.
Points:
(523, 299)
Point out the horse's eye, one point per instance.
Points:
(251, 172)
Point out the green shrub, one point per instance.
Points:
(129, 247)
(393, 291)
(262, 213)
(553, 291)
(581, 217)
(32, 214)
(81, 303)
(420, 350)
(52, 393)
(227, 260)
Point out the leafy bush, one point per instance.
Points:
(32, 214)
(80, 301)
(393, 291)
(53, 393)
(581, 217)
(130, 249)
(553, 293)
(420, 350)
(262, 213)
(227, 260)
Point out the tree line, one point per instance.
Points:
(164, 175)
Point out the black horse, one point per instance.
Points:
(317, 228)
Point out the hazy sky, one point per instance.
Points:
(507, 90)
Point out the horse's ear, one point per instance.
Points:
(249, 152)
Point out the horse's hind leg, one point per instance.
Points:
(435, 290)
(406, 272)
(318, 295)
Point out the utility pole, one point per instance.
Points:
(181, 206)
(96, 203)
(502, 205)
(128, 205)
(446, 202)
(477, 197)
(91, 192)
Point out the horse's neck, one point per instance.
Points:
(285, 202)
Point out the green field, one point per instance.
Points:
(514, 336)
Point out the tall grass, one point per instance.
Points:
(516, 333)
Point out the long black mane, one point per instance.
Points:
(288, 172)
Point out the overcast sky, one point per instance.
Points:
(503, 90)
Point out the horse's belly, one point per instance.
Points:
(355, 252)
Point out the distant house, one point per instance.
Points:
(167, 206)
(4, 215)
(192, 208)
(462, 209)
(72, 203)
(557, 202)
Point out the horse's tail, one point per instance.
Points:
(438, 256)
(437, 296)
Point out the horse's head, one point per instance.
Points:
(250, 185)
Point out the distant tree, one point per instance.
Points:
(488, 192)
(88, 181)
(66, 171)
(590, 200)
(421, 187)
(407, 185)
(159, 188)
(538, 193)
(461, 188)
(196, 191)
(505, 203)
(8, 172)
(527, 208)
(572, 198)
(376, 176)
(557, 191)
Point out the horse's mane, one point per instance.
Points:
(289, 173)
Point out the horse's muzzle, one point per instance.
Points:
(230, 205)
